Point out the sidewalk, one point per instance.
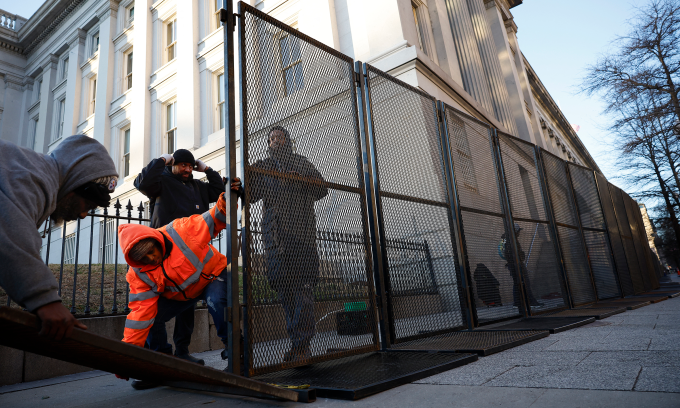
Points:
(627, 360)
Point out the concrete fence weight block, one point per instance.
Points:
(11, 365)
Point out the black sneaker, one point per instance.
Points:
(191, 359)
(143, 385)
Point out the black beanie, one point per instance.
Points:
(184, 156)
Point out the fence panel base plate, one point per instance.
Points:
(552, 324)
(481, 342)
(20, 331)
(630, 304)
(356, 377)
(645, 298)
(598, 313)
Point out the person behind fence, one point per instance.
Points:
(508, 256)
(173, 193)
(172, 268)
(78, 176)
(289, 185)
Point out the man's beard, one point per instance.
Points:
(68, 209)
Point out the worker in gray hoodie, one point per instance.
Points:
(78, 176)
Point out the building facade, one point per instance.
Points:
(145, 77)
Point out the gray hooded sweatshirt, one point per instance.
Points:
(30, 186)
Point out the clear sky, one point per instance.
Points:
(559, 38)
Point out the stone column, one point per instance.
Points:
(140, 121)
(11, 109)
(188, 86)
(472, 70)
(525, 87)
(74, 81)
(24, 125)
(489, 56)
(105, 73)
(49, 76)
(497, 19)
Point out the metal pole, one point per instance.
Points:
(75, 269)
(580, 229)
(390, 334)
(371, 194)
(553, 227)
(233, 307)
(456, 218)
(89, 265)
(510, 224)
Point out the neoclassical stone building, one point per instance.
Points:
(145, 76)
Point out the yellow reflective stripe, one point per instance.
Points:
(138, 324)
(149, 294)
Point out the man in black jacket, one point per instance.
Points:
(289, 185)
(173, 193)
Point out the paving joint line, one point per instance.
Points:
(636, 379)
(511, 368)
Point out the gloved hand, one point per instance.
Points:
(168, 159)
(200, 166)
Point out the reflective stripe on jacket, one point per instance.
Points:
(189, 264)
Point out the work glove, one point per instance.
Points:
(200, 166)
(168, 159)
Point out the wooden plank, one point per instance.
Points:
(20, 331)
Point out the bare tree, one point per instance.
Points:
(646, 59)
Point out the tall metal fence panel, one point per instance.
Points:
(483, 220)
(627, 238)
(539, 264)
(632, 210)
(308, 279)
(594, 231)
(413, 209)
(613, 232)
(650, 258)
(567, 225)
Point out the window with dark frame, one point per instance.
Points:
(171, 38)
(171, 126)
(220, 100)
(126, 152)
(291, 63)
(128, 71)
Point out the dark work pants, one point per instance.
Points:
(215, 295)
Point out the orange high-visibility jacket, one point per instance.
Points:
(190, 263)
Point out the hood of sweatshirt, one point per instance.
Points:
(81, 159)
(131, 234)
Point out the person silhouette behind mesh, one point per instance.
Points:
(508, 255)
(289, 185)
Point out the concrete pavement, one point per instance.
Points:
(627, 360)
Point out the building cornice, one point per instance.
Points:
(107, 9)
(53, 26)
(13, 82)
(50, 62)
(542, 94)
(77, 38)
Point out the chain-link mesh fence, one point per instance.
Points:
(567, 221)
(631, 211)
(594, 231)
(484, 229)
(414, 211)
(626, 238)
(650, 261)
(308, 276)
(614, 235)
(538, 261)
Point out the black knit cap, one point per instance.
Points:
(184, 156)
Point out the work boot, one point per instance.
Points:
(191, 359)
(297, 354)
(143, 385)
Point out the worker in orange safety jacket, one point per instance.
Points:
(172, 268)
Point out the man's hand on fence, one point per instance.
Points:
(200, 166)
(57, 322)
(168, 159)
